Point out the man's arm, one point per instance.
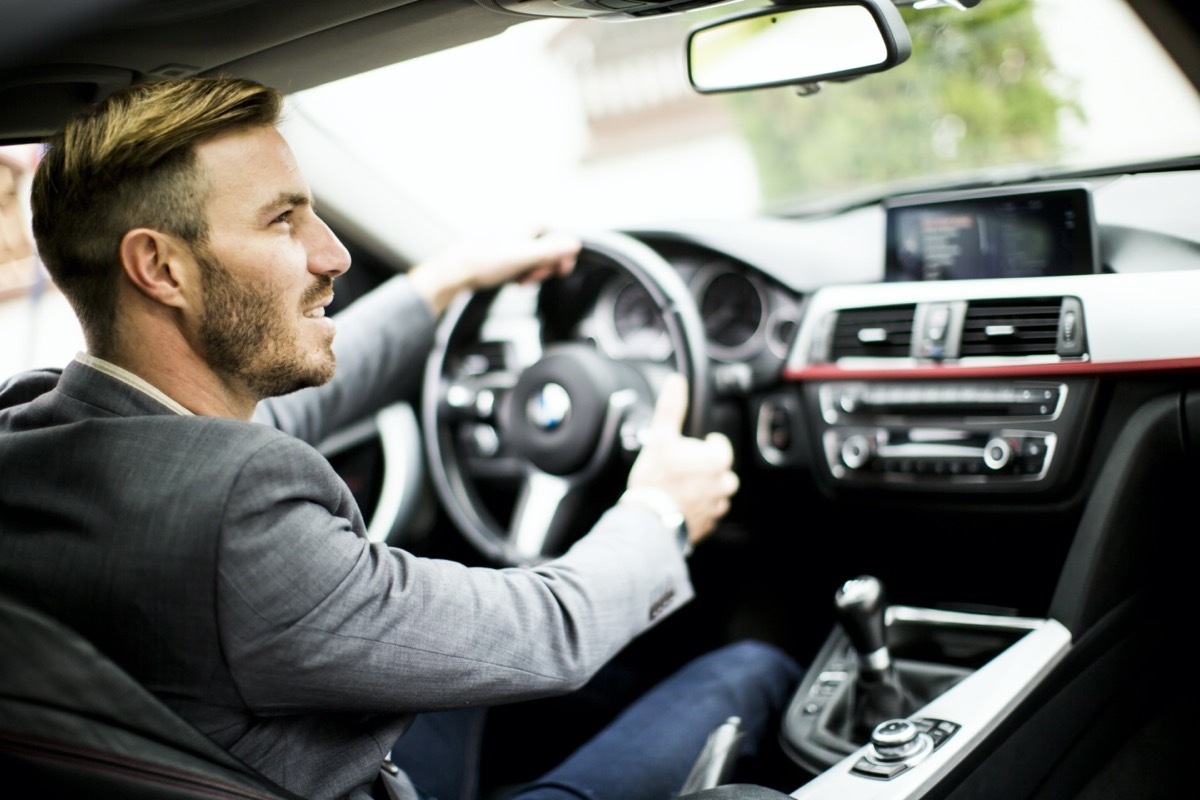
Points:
(313, 617)
(483, 263)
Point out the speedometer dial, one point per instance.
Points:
(733, 308)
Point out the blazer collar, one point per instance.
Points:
(87, 384)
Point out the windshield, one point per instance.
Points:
(579, 123)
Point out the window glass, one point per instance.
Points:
(37, 325)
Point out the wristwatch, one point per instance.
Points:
(668, 512)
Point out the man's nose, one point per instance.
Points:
(326, 253)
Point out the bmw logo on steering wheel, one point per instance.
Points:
(549, 408)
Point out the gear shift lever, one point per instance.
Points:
(860, 605)
(879, 695)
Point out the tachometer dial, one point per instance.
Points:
(634, 327)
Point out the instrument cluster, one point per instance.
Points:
(749, 321)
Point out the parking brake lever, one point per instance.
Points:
(716, 761)
(878, 692)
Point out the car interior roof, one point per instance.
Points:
(67, 54)
(290, 44)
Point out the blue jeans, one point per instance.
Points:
(646, 753)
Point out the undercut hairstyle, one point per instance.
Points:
(130, 162)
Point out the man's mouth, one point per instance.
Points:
(318, 310)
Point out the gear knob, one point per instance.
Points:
(861, 605)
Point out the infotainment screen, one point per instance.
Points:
(991, 234)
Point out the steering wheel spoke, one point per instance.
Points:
(477, 396)
(541, 516)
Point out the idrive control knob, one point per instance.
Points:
(898, 740)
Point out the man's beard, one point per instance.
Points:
(245, 335)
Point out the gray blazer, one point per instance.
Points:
(225, 565)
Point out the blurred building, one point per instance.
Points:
(37, 326)
(632, 82)
(655, 147)
(18, 268)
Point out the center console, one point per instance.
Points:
(968, 368)
(949, 677)
(966, 375)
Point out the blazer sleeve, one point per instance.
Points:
(381, 344)
(314, 617)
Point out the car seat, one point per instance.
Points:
(73, 723)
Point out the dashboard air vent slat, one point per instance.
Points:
(1024, 326)
(878, 332)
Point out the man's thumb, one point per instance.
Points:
(671, 407)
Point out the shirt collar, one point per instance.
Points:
(127, 377)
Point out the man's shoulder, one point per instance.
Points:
(200, 436)
(225, 450)
(91, 407)
(25, 387)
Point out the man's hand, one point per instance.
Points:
(696, 473)
(483, 263)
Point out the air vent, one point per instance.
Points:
(879, 332)
(1027, 326)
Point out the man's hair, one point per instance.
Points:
(130, 162)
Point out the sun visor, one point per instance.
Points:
(36, 101)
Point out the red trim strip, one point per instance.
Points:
(938, 371)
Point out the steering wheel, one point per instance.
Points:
(531, 421)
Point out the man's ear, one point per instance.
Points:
(155, 263)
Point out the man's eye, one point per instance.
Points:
(284, 217)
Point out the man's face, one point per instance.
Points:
(267, 270)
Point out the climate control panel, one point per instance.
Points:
(946, 452)
(946, 435)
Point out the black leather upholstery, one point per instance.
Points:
(72, 723)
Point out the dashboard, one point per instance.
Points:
(956, 394)
(953, 379)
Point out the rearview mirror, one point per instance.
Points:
(797, 44)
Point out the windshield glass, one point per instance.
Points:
(583, 123)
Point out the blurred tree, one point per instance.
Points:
(979, 90)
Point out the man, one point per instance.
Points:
(220, 560)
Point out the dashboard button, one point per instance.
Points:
(856, 451)
(874, 770)
(997, 453)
